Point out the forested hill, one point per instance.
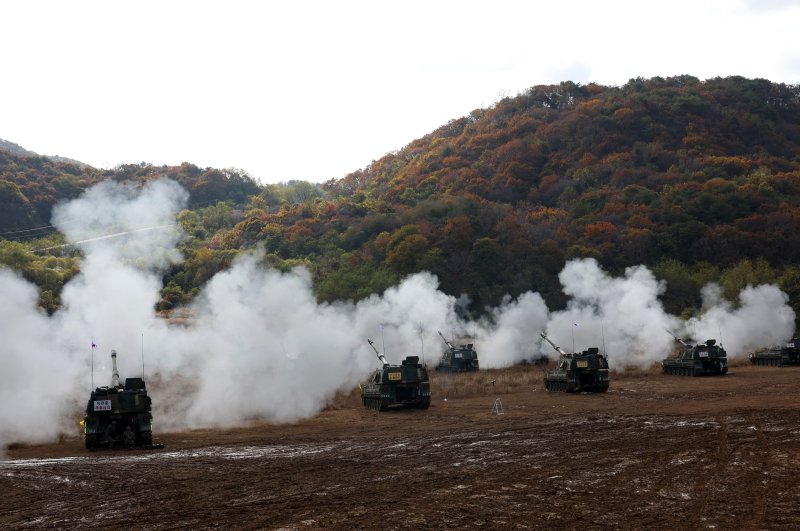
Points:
(699, 180)
(570, 138)
(31, 184)
(655, 171)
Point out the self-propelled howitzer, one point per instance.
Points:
(789, 354)
(402, 386)
(586, 371)
(462, 358)
(119, 415)
(697, 360)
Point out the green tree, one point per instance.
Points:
(405, 249)
(15, 255)
(16, 211)
(745, 273)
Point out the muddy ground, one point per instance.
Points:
(656, 451)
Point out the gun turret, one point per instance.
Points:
(446, 342)
(679, 340)
(558, 349)
(380, 356)
(114, 371)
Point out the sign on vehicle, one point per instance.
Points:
(102, 405)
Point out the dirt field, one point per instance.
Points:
(656, 451)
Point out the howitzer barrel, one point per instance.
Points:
(380, 356)
(446, 342)
(679, 340)
(114, 371)
(558, 349)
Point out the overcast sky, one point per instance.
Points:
(317, 89)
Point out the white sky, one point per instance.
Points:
(317, 89)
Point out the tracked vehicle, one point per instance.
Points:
(397, 386)
(789, 354)
(585, 371)
(462, 358)
(119, 415)
(704, 359)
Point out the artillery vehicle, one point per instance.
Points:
(119, 415)
(697, 360)
(462, 358)
(585, 371)
(786, 355)
(397, 386)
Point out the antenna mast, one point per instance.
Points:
(603, 333)
(93, 345)
(572, 329)
(421, 329)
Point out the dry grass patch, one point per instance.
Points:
(637, 372)
(345, 400)
(486, 381)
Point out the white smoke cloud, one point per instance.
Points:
(510, 333)
(37, 376)
(261, 347)
(624, 318)
(145, 216)
(621, 316)
(762, 318)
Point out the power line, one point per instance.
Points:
(17, 231)
(27, 237)
(103, 237)
(21, 235)
(27, 230)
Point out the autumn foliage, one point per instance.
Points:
(693, 178)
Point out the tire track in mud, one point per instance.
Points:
(759, 476)
(628, 463)
(664, 472)
(700, 489)
(655, 500)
